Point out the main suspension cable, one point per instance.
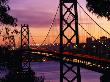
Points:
(93, 19)
(51, 25)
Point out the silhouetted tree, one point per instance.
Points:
(5, 18)
(99, 7)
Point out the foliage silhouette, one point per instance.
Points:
(5, 18)
(99, 7)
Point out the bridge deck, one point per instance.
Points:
(87, 61)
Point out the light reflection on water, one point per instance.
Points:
(3, 71)
(51, 72)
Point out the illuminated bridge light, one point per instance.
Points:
(50, 54)
(67, 59)
(84, 46)
(91, 65)
(75, 46)
(74, 60)
(88, 63)
(43, 53)
(38, 53)
(38, 44)
(107, 67)
(82, 61)
(94, 46)
(64, 58)
(94, 64)
(98, 65)
(34, 52)
(78, 61)
(47, 54)
(44, 59)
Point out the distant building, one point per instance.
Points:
(108, 40)
(103, 39)
(89, 40)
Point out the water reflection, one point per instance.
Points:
(51, 72)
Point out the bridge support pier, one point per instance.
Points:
(69, 73)
(105, 77)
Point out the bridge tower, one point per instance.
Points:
(25, 46)
(19, 60)
(25, 36)
(21, 70)
(69, 20)
(26, 56)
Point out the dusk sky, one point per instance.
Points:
(40, 13)
(37, 13)
(34, 12)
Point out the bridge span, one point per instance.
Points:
(86, 61)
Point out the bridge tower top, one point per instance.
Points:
(68, 21)
(25, 36)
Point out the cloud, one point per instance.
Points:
(33, 18)
(34, 13)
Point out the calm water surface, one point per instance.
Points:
(51, 72)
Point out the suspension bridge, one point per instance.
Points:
(79, 43)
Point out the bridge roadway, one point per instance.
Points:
(86, 61)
